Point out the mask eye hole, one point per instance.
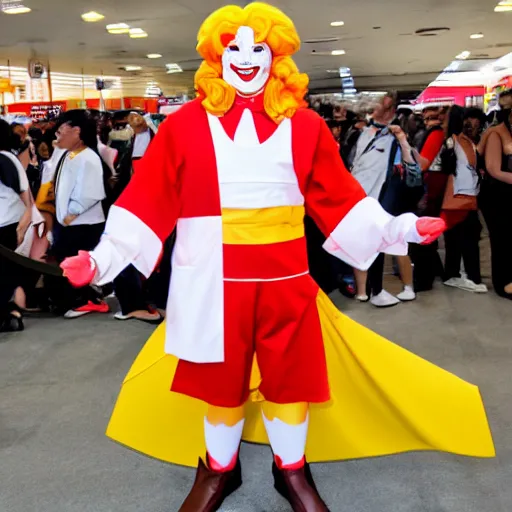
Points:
(258, 49)
(233, 48)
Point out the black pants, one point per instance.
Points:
(129, 293)
(426, 259)
(135, 294)
(68, 240)
(376, 275)
(157, 286)
(10, 273)
(427, 265)
(495, 203)
(462, 242)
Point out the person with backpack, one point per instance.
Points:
(386, 168)
(427, 262)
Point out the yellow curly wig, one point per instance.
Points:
(286, 87)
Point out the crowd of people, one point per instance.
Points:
(448, 161)
(57, 182)
(59, 178)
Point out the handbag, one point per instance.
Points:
(452, 201)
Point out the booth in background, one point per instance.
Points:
(38, 109)
(469, 83)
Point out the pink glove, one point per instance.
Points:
(80, 270)
(430, 227)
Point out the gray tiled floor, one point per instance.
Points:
(59, 379)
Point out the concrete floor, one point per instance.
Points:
(59, 380)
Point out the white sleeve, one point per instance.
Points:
(368, 230)
(135, 244)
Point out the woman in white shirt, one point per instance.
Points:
(15, 218)
(79, 196)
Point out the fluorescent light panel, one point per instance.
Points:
(14, 7)
(173, 68)
(137, 33)
(504, 6)
(118, 28)
(92, 16)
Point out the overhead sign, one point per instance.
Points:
(36, 69)
(45, 111)
(164, 101)
(6, 85)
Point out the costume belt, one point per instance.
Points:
(262, 226)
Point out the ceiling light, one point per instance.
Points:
(92, 16)
(118, 28)
(338, 52)
(332, 71)
(504, 6)
(132, 68)
(337, 23)
(14, 7)
(463, 55)
(479, 35)
(173, 68)
(138, 33)
(153, 56)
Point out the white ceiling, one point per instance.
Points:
(392, 56)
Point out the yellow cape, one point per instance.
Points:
(384, 400)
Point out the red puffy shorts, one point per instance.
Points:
(277, 320)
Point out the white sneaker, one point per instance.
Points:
(454, 282)
(384, 300)
(471, 286)
(362, 298)
(463, 283)
(407, 294)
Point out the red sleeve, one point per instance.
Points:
(152, 194)
(432, 146)
(331, 191)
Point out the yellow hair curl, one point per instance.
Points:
(286, 87)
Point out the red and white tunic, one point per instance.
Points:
(237, 188)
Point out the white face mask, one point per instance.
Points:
(246, 64)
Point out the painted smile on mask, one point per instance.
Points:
(246, 63)
(246, 74)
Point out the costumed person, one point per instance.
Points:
(250, 348)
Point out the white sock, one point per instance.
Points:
(288, 441)
(223, 442)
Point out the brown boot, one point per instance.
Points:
(211, 488)
(297, 486)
